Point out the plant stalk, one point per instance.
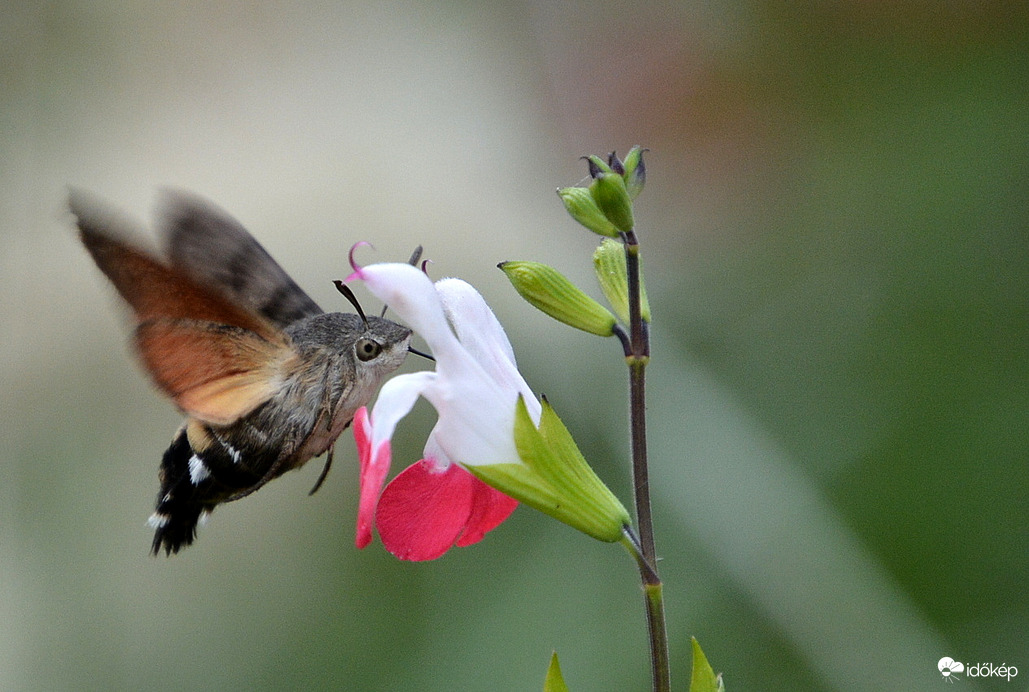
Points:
(637, 355)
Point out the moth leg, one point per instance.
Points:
(326, 407)
(325, 469)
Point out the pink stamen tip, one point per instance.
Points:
(353, 263)
(425, 266)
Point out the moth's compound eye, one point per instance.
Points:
(367, 349)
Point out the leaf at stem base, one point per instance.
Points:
(555, 682)
(703, 678)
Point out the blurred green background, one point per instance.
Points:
(836, 247)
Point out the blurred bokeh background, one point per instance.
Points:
(836, 248)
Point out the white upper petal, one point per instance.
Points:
(473, 321)
(396, 398)
(410, 293)
(485, 340)
(476, 418)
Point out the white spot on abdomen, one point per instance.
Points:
(198, 472)
(158, 520)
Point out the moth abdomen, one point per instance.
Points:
(198, 472)
(179, 507)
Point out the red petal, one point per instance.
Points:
(373, 472)
(424, 509)
(489, 508)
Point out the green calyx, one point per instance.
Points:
(580, 204)
(612, 198)
(635, 174)
(548, 290)
(555, 681)
(555, 479)
(609, 265)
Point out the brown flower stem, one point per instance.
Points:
(637, 355)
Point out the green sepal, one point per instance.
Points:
(555, 479)
(703, 678)
(597, 166)
(611, 196)
(635, 175)
(548, 290)
(579, 203)
(609, 265)
(555, 681)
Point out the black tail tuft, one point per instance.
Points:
(179, 506)
(178, 529)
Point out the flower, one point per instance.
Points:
(435, 502)
(493, 445)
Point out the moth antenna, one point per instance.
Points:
(349, 295)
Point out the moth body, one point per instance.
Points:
(266, 379)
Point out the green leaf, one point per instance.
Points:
(555, 682)
(703, 678)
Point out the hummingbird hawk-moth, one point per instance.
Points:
(267, 380)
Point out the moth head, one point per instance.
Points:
(383, 346)
(372, 344)
(381, 335)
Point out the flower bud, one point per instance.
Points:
(554, 478)
(597, 166)
(548, 290)
(609, 265)
(580, 204)
(635, 174)
(611, 196)
(616, 163)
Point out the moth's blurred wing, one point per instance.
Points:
(215, 373)
(207, 243)
(152, 289)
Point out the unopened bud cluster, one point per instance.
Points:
(604, 207)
